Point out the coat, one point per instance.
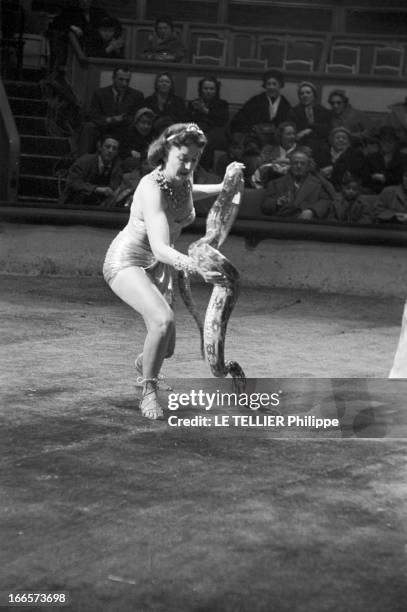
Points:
(320, 128)
(257, 110)
(281, 200)
(392, 200)
(103, 105)
(359, 212)
(84, 177)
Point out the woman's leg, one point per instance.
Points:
(135, 288)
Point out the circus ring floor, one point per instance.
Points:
(131, 515)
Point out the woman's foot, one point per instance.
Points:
(149, 405)
(139, 371)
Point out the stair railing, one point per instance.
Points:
(9, 150)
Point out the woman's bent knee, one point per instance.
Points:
(163, 323)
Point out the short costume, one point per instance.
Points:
(131, 246)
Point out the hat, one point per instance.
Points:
(308, 84)
(338, 92)
(340, 128)
(144, 111)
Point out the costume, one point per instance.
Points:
(284, 198)
(257, 111)
(85, 175)
(131, 246)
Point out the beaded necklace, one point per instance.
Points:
(177, 195)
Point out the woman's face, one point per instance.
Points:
(144, 125)
(337, 105)
(288, 137)
(272, 87)
(182, 161)
(306, 95)
(208, 90)
(340, 141)
(163, 84)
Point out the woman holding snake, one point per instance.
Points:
(139, 260)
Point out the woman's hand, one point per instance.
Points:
(233, 169)
(213, 277)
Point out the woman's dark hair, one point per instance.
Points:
(338, 93)
(280, 130)
(273, 74)
(176, 135)
(164, 19)
(169, 76)
(213, 80)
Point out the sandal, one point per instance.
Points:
(138, 364)
(149, 405)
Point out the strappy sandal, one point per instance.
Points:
(138, 364)
(149, 405)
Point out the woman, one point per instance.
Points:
(343, 157)
(312, 119)
(137, 264)
(275, 160)
(167, 107)
(387, 164)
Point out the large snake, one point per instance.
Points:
(206, 255)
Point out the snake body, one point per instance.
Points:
(223, 298)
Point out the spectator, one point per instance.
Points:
(392, 203)
(164, 45)
(344, 115)
(211, 113)
(112, 109)
(167, 107)
(300, 194)
(312, 119)
(93, 178)
(139, 135)
(386, 165)
(275, 159)
(106, 40)
(264, 112)
(79, 17)
(348, 205)
(234, 152)
(343, 157)
(397, 119)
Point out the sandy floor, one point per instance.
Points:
(132, 515)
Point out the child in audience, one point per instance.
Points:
(348, 205)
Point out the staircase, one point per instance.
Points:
(41, 154)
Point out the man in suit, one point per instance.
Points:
(265, 111)
(93, 178)
(112, 109)
(300, 194)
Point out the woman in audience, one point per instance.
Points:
(275, 160)
(164, 45)
(312, 119)
(342, 157)
(344, 115)
(211, 113)
(167, 107)
(386, 165)
(134, 146)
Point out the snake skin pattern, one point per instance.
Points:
(206, 255)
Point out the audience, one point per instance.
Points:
(112, 108)
(358, 124)
(168, 108)
(391, 204)
(93, 178)
(312, 119)
(164, 45)
(343, 157)
(397, 119)
(301, 193)
(348, 205)
(134, 144)
(211, 113)
(275, 159)
(106, 40)
(387, 164)
(264, 112)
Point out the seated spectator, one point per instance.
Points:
(79, 17)
(106, 40)
(349, 205)
(358, 124)
(112, 108)
(397, 119)
(343, 157)
(386, 165)
(300, 194)
(391, 205)
(275, 159)
(167, 107)
(211, 113)
(93, 178)
(138, 137)
(264, 112)
(312, 120)
(164, 45)
(234, 152)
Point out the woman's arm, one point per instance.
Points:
(200, 191)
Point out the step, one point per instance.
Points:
(35, 126)
(39, 186)
(28, 107)
(44, 165)
(21, 89)
(44, 145)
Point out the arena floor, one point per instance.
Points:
(129, 515)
